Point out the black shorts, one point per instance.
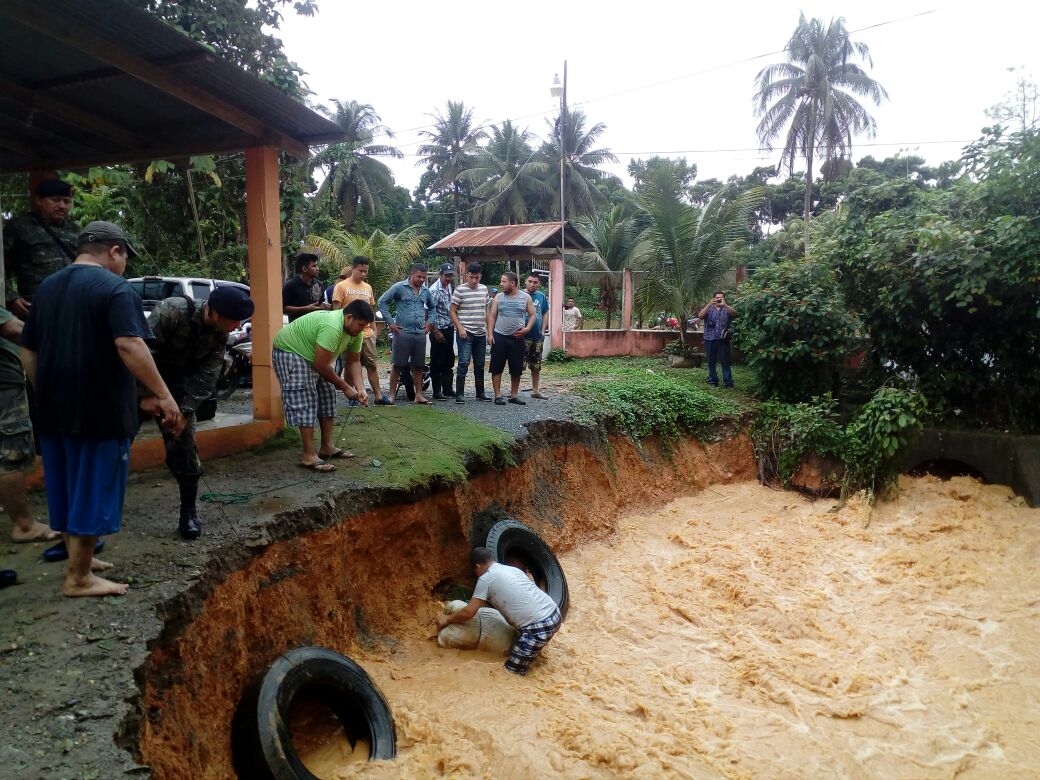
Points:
(507, 349)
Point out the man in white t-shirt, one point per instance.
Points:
(525, 607)
(572, 319)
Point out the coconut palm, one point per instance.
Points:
(390, 254)
(689, 248)
(453, 143)
(581, 197)
(353, 177)
(811, 95)
(616, 246)
(506, 178)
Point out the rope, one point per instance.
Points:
(241, 498)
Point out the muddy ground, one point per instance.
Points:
(67, 665)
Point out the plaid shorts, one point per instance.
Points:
(16, 440)
(530, 640)
(305, 395)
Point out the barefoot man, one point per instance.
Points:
(83, 345)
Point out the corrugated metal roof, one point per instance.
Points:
(50, 76)
(506, 237)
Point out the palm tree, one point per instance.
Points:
(452, 145)
(353, 176)
(616, 247)
(579, 159)
(506, 178)
(812, 96)
(390, 254)
(688, 248)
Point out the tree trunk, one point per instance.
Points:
(807, 211)
(348, 205)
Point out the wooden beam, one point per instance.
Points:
(17, 145)
(69, 114)
(109, 51)
(180, 60)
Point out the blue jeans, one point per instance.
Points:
(473, 348)
(717, 350)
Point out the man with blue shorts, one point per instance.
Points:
(83, 346)
(409, 326)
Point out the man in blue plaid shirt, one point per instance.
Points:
(718, 318)
(525, 607)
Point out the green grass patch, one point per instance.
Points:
(415, 444)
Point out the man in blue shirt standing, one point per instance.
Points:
(718, 317)
(536, 337)
(409, 326)
(508, 323)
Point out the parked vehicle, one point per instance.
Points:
(153, 289)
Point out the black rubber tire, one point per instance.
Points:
(512, 539)
(262, 747)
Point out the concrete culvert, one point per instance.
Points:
(514, 544)
(311, 706)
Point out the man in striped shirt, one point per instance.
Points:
(468, 313)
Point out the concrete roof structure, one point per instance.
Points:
(96, 82)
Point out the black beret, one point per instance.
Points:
(231, 302)
(48, 188)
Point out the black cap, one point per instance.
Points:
(49, 188)
(447, 268)
(233, 303)
(106, 231)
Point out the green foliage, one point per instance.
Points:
(678, 347)
(390, 255)
(947, 285)
(866, 448)
(794, 328)
(655, 404)
(557, 355)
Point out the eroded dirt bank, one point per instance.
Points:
(360, 585)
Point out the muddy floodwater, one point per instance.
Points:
(750, 633)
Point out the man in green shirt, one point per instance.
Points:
(305, 353)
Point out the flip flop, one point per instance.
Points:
(424, 402)
(59, 552)
(500, 401)
(42, 536)
(539, 396)
(319, 465)
(8, 577)
(514, 400)
(337, 453)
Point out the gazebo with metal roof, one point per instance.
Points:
(96, 82)
(533, 241)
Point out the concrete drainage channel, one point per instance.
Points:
(233, 660)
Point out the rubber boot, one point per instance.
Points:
(189, 527)
(481, 396)
(460, 386)
(447, 380)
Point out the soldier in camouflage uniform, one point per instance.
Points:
(38, 244)
(16, 440)
(189, 352)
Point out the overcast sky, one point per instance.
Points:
(667, 78)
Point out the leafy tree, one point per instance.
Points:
(794, 329)
(453, 143)
(580, 159)
(811, 95)
(353, 177)
(639, 170)
(616, 246)
(390, 254)
(688, 248)
(1020, 108)
(506, 178)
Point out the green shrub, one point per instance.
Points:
(794, 329)
(557, 355)
(866, 447)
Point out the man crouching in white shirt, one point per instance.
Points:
(526, 608)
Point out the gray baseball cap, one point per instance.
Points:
(106, 231)
(447, 268)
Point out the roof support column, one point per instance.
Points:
(628, 298)
(263, 229)
(556, 301)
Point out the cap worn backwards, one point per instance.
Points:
(106, 232)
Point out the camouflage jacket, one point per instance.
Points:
(31, 254)
(188, 354)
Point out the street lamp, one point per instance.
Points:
(558, 90)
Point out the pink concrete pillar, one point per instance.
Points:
(628, 299)
(556, 301)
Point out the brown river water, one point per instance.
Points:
(751, 633)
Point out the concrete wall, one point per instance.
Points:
(613, 343)
(1001, 458)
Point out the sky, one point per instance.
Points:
(666, 78)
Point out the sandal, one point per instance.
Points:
(337, 453)
(318, 465)
(44, 534)
(500, 401)
(537, 394)
(514, 400)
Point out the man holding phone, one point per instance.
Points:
(718, 317)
